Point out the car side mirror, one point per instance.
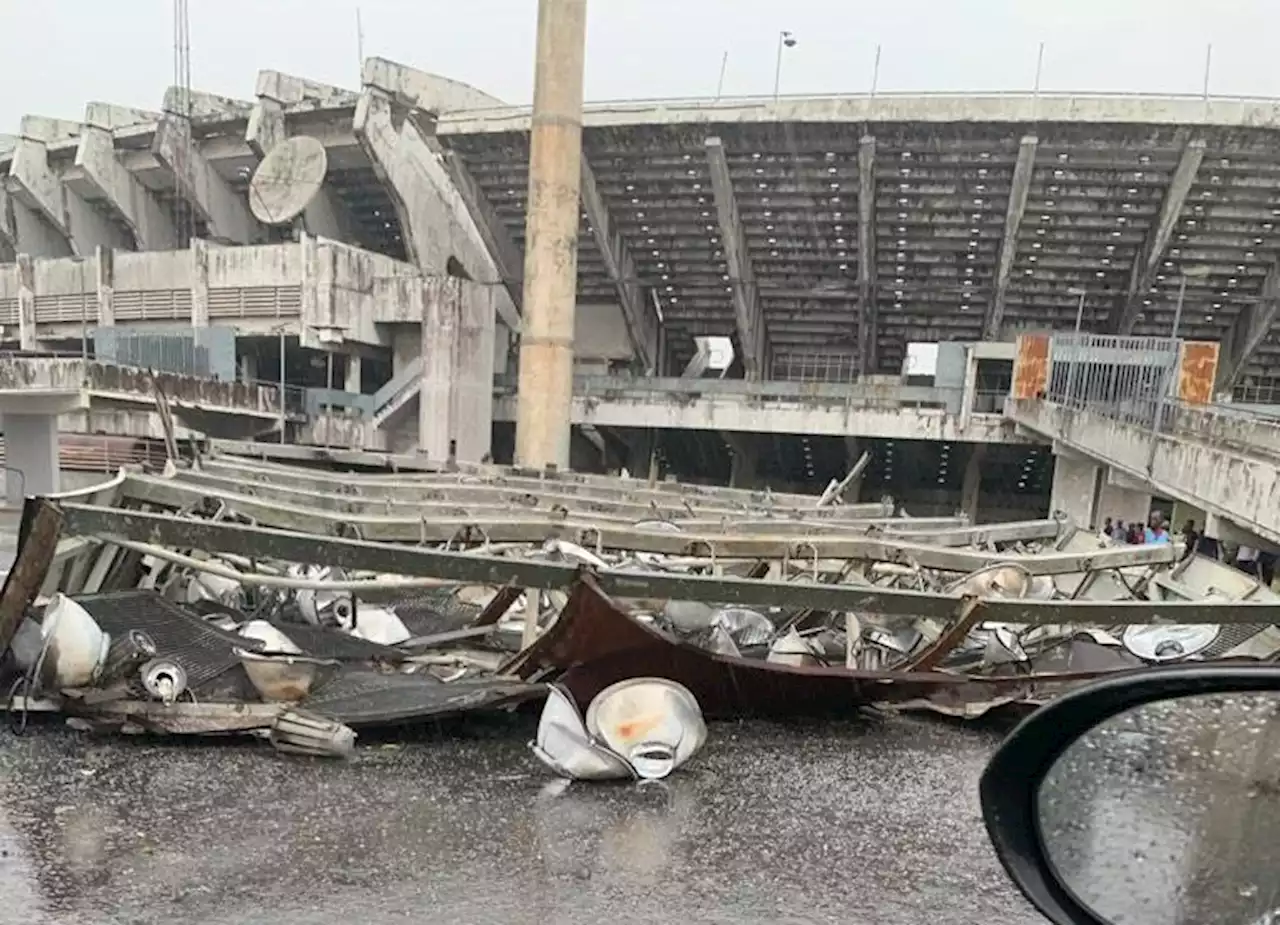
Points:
(1147, 799)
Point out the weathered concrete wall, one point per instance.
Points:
(600, 333)
(799, 415)
(1242, 486)
(1075, 488)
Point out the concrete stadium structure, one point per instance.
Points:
(823, 236)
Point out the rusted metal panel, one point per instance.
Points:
(1031, 367)
(1197, 371)
(37, 539)
(594, 643)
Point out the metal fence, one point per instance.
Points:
(1130, 379)
(816, 366)
(205, 352)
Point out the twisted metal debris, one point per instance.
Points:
(304, 604)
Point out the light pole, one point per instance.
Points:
(1075, 361)
(1188, 273)
(785, 40)
(1076, 290)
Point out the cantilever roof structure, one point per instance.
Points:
(836, 228)
(925, 217)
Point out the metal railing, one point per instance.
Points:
(1124, 378)
(815, 367)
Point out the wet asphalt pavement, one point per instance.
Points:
(873, 821)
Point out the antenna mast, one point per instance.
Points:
(183, 215)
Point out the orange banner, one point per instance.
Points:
(1197, 370)
(1031, 368)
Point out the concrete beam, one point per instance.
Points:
(151, 225)
(1147, 264)
(432, 212)
(746, 297)
(1020, 186)
(1250, 329)
(224, 211)
(8, 234)
(637, 309)
(35, 185)
(869, 313)
(420, 90)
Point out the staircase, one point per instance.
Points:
(393, 397)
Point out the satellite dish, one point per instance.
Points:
(288, 178)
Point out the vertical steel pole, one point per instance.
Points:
(282, 409)
(545, 397)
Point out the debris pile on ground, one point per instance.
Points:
(302, 605)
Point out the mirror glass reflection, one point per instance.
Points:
(1169, 813)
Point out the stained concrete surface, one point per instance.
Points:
(858, 822)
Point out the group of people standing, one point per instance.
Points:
(1257, 562)
(1155, 531)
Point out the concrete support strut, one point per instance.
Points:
(637, 309)
(746, 295)
(1250, 329)
(151, 225)
(225, 212)
(434, 218)
(42, 191)
(1019, 187)
(869, 313)
(507, 259)
(545, 399)
(1147, 264)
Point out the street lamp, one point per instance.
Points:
(1076, 290)
(1077, 346)
(1188, 273)
(785, 40)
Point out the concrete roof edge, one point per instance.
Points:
(1234, 112)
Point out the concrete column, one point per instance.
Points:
(971, 487)
(970, 389)
(1075, 489)
(248, 367)
(455, 403)
(31, 448)
(545, 398)
(199, 283)
(105, 265)
(354, 369)
(744, 462)
(26, 304)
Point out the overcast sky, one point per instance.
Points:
(55, 55)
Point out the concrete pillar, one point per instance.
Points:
(1075, 489)
(971, 487)
(744, 458)
(199, 283)
(248, 367)
(354, 368)
(545, 398)
(105, 265)
(26, 304)
(970, 385)
(31, 448)
(455, 404)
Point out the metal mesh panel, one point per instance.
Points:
(1127, 378)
